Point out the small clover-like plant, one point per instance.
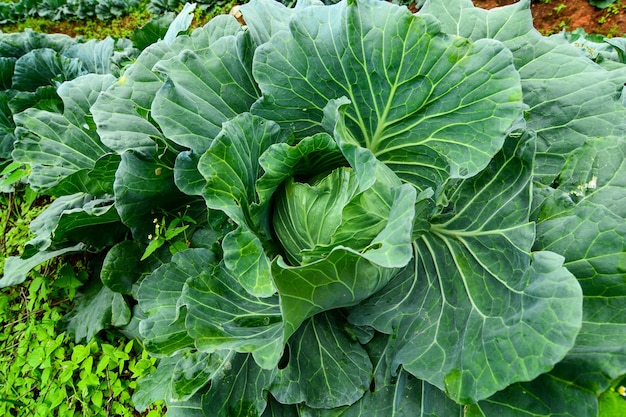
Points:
(167, 233)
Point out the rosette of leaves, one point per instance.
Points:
(353, 186)
(394, 213)
(34, 65)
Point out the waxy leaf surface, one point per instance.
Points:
(416, 96)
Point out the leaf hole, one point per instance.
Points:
(373, 385)
(284, 360)
(374, 246)
(448, 209)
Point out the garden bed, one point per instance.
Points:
(552, 16)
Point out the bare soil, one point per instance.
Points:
(557, 15)
(550, 16)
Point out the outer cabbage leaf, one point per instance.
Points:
(70, 224)
(66, 209)
(440, 102)
(476, 344)
(95, 55)
(544, 396)
(181, 22)
(16, 269)
(276, 409)
(7, 65)
(601, 4)
(97, 308)
(321, 351)
(570, 98)
(182, 380)
(97, 181)
(265, 18)
(60, 145)
(20, 43)
(44, 67)
(156, 385)
(204, 89)
(619, 48)
(601, 50)
(7, 127)
(190, 408)
(231, 168)
(152, 31)
(584, 220)
(588, 233)
(478, 311)
(239, 391)
(394, 392)
(144, 190)
(123, 113)
(244, 255)
(77, 218)
(163, 329)
(186, 175)
(221, 314)
(122, 266)
(195, 369)
(44, 98)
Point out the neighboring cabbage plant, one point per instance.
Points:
(34, 65)
(349, 210)
(20, 10)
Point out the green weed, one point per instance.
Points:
(42, 371)
(18, 210)
(612, 10)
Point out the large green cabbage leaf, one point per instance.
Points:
(437, 113)
(362, 212)
(563, 110)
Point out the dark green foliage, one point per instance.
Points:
(34, 65)
(65, 9)
(422, 213)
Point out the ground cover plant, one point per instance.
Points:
(421, 213)
(42, 371)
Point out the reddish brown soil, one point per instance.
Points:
(550, 16)
(556, 15)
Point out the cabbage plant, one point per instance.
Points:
(20, 10)
(349, 210)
